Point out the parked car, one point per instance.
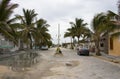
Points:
(83, 51)
(44, 48)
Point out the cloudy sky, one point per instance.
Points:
(64, 11)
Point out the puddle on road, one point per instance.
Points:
(18, 64)
(11, 76)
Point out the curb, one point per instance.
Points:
(108, 59)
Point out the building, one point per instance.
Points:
(104, 43)
(110, 42)
(4, 44)
(114, 43)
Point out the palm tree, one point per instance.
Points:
(15, 33)
(70, 33)
(112, 15)
(101, 23)
(42, 37)
(6, 10)
(98, 27)
(27, 24)
(114, 19)
(86, 34)
(78, 26)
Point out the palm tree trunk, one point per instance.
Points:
(21, 47)
(97, 48)
(30, 44)
(78, 40)
(73, 41)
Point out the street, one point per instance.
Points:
(33, 34)
(68, 66)
(72, 66)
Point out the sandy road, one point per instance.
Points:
(72, 66)
(69, 66)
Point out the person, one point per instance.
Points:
(60, 51)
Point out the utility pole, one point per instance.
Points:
(118, 7)
(58, 51)
(58, 35)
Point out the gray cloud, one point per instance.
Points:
(63, 11)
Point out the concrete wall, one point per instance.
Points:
(104, 43)
(4, 42)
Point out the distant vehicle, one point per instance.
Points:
(83, 51)
(44, 48)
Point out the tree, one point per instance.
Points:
(70, 33)
(98, 27)
(42, 37)
(27, 26)
(6, 10)
(86, 34)
(101, 23)
(78, 27)
(114, 22)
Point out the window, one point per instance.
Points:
(101, 45)
(111, 43)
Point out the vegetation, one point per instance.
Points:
(28, 31)
(27, 26)
(101, 23)
(70, 33)
(6, 22)
(42, 37)
(78, 29)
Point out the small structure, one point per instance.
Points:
(5, 45)
(114, 42)
(58, 52)
(110, 42)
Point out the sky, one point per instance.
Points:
(61, 12)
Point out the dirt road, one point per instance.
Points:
(69, 66)
(72, 66)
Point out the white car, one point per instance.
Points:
(44, 47)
